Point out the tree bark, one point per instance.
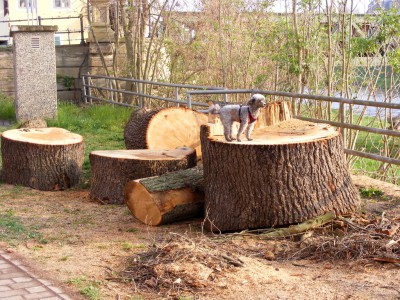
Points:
(111, 170)
(289, 173)
(164, 129)
(168, 198)
(43, 158)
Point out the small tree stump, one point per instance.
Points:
(289, 173)
(168, 198)
(42, 158)
(112, 169)
(164, 129)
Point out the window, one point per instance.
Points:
(25, 3)
(62, 3)
(57, 40)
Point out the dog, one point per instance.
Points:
(246, 115)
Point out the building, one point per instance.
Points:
(374, 5)
(68, 15)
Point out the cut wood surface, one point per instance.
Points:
(274, 113)
(291, 172)
(168, 198)
(112, 169)
(164, 129)
(42, 158)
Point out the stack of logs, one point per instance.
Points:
(285, 175)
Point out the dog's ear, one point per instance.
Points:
(251, 101)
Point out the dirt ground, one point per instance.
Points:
(104, 246)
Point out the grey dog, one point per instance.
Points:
(246, 115)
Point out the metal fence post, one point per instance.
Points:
(89, 90)
(176, 92)
(141, 104)
(342, 120)
(225, 98)
(84, 88)
(189, 100)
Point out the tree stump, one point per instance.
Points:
(42, 158)
(289, 173)
(112, 169)
(164, 129)
(168, 198)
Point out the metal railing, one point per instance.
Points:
(67, 31)
(108, 84)
(194, 91)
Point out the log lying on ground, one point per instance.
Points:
(42, 158)
(289, 173)
(164, 129)
(168, 198)
(112, 169)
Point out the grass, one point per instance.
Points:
(102, 127)
(7, 111)
(371, 192)
(14, 232)
(88, 288)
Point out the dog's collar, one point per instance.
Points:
(251, 117)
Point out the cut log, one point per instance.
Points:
(274, 113)
(112, 169)
(42, 158)
(164, 129)
(168, 198)
(289, 173)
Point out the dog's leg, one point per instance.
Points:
(227, 131)
(249, 131)
(240, 130)
(231, 132)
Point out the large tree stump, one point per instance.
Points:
(164, 129)
(168, 198)
(43, 158)
(289, 173)
(112, 169)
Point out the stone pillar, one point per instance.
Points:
(100, 24)
(35, 72)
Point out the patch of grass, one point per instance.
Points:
(102, 127)
(126, 246)
(7, 110)
(88, 288)
(133, 230)
(15, 192)
(65, 257)
(13, 231)
(371, 192)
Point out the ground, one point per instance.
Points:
(103, 252)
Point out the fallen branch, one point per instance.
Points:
(300, 228)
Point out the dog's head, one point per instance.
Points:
(256, 100)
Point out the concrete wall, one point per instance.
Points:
(71, 62)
